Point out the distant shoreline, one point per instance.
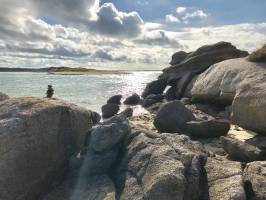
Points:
(69, 71)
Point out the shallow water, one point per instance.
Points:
(90, 91)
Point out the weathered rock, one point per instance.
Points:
(155, 87)
(243, 145)
(178, 57)
(116, 99)
(172, 117)
(37, 138)
(154, 108)
(109, 110)
(185, 101)
(134, 99)
(183, 83)
(225, 179)
(255, 180)
(208, 128)
(157, 97)
(152, 169)
(128, 112)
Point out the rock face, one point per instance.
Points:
(116, 99)
(172, 117)
(240, 82)
(152, 169)
(225, 179)
(109, 110)
(3, 96)
(208, 128)
(37, 138)
(178, 57)
(134, 99)
(255, 180)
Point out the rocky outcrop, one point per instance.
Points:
(237, 82)
(155, 87)
(225, 179)
(3, 96)
(255, 180)
(152, 99)
(178, 57)
(116, 99)
(172, 117)
(37, 138)
(109, 110)
(134, 99)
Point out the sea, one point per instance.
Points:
(89, 91)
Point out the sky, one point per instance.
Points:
(122, 34)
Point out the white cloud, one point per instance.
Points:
(181, 10)
(171, 19)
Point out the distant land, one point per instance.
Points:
(64, 70)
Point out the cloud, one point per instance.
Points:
(185, 15)
(105, 55)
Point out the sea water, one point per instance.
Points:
(89, 91)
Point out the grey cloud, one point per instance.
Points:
(103, 54)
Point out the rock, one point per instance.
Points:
(154, 108)
(109, 110)
(155, 87)
(97, 187)
(128, 112)
(156, 97)
(38, 136)
(244, 146)
(159, 167)
(178, 57)
(255, 180)
(187, 92)
(106, 136)
(104, 145)
(96, 118)
(116, 99)
(185, 101)
(183, 83)
(3, 96)
(148, 102)
(225, 179)
(170, 94)
(172, 117)
(208, 128)
(202, 58)
(134, 99)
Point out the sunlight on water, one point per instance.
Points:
(90, 91)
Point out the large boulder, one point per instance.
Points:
(134, 99)
(109, 110)
(255, 180)
(172, 117)
(116, 99)
(240, 83)
(225, 179)
(3, 96)
(208, 128)
(155, 87)
(159, 167)
(37, 138)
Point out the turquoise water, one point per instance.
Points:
(90, 91)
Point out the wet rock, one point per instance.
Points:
(208, 128)
(3, 96)
(148, 102)
(109, 110)
(170, 94)
(155, 87)
(134, 99)
(178, 57)
(172, 117)
(255, 180)
(128, 112)
(116, 99)
(96, 118)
